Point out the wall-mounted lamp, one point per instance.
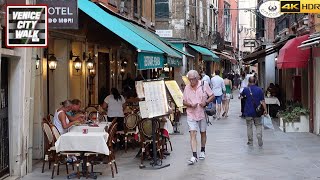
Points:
(92, 73)
(37, 62)
(52, 62)
(90, 63)
(77, 63)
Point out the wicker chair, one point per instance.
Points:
(49, 147)
(96, 158)
(130, 126)
(145, 131)
(91, 109)
(60, 158)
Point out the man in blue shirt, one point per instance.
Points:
(254, 96)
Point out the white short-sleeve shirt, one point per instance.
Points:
(115, 108)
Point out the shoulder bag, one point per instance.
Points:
(258, 108)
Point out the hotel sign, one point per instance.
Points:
(62, 14)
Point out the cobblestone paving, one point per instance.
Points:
(292, 156)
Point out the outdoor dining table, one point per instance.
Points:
(80, 142)
(271, 100)
(100, 128)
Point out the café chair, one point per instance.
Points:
(130, 128)
(145, 131)
(61, 158)
(49, 147)
(96, 158)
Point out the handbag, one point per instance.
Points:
(258, 109)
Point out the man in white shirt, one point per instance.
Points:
(206, 78)
(218, 88)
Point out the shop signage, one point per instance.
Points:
(270, 9)
(249, 43)
(26, 26)
(164, 33)
(62, 14)
(174, 62)
(150, 61)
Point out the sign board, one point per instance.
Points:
(139, 89)
(249, 43)
(62, 14)
(156, 103)
(26, 26)
(175, 92)
(270, 9)
(164, 33)
(185, 80)
(150, 61)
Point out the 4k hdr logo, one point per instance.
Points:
(302, 6)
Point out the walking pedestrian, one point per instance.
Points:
(243, 84)
(218, 88)
(227, 96)
(254, 97)
(206, 78)
(196, 96)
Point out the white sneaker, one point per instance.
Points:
(192, 160)
(202, 155)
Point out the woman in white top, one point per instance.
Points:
(115, 103)
(60, 119)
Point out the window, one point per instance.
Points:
(135, 6)
(162, 8)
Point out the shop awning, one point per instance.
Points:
(179, 47)
(259, 53)
(290, 56)
(152, 52)
(313, 40)
(207, 55)
(226, 56)
(173, 59)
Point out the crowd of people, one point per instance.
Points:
(203, 90)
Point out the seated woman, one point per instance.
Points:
(60, 119)
(115, 104)
(75, 113)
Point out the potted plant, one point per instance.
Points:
(294, 118)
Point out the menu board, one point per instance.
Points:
(175, 92)
(139, 89)
(185, 80)
(155, 98)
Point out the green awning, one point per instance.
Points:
(145, 47)
(153, 39)
(207, 55)
(179, 47)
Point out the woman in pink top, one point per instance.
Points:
(196, 97)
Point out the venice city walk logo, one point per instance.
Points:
(27, 26)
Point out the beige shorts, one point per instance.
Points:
(197, 125)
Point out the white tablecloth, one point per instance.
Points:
(79, 128)
(272, 100)
(76, 141)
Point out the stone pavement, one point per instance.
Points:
(292, 156)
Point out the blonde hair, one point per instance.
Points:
(66, 103)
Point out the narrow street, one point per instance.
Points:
(284, 156)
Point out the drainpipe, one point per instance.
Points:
(311, 100)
